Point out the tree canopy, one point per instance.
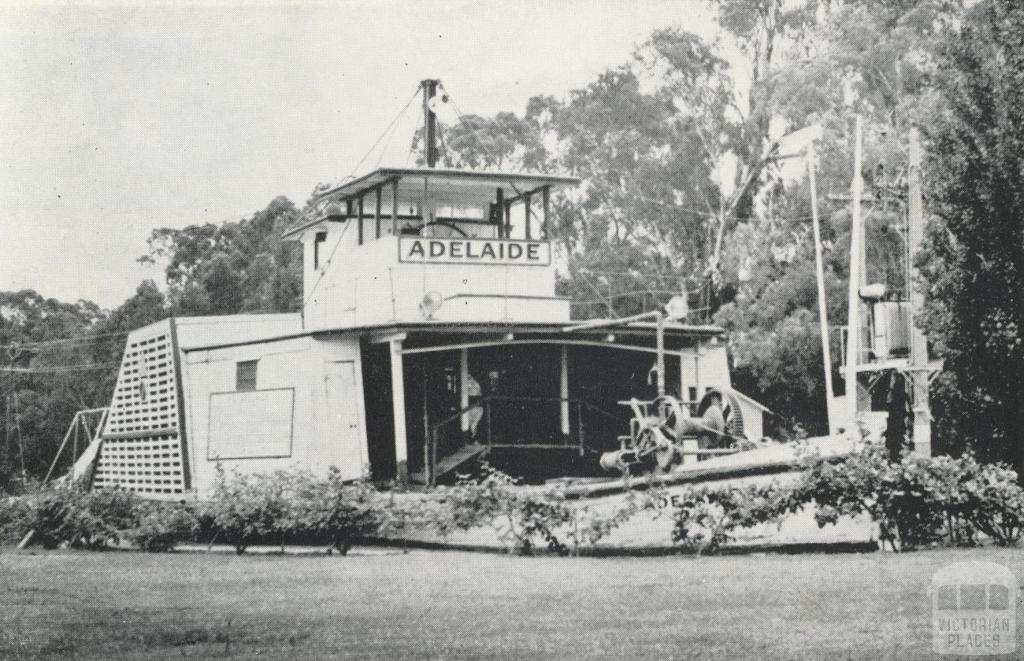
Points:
(973, 266)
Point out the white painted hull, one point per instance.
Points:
(651, 528)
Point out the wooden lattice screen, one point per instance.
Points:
(143, 444)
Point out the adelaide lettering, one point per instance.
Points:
(484, 251)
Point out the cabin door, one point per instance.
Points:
(343, 443)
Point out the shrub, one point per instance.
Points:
(333, 511)
(66, 514)
(708, 517)
(161, 526)
(13, 511)
(519, 516)
(917, 500)
(589, 525)
(245, 508)
(991, 501)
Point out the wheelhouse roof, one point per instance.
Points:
(470, 180)
(446, 186)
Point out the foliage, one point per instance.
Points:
(524, 517)
(992, 502)
(334, 510)
(238, 266)
(973, 264)
(916, 501)
(67, 514)
(13, 512)
(161, 526)
(247, 508)
(519, 515)
(708, 517)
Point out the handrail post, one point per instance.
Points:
(490, 439)
(579, 426)
(433, 458)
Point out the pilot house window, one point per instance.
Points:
(245, 375)
(321, 237)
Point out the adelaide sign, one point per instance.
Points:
(474, 251)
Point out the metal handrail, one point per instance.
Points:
(431, 440)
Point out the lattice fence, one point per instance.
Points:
(142, 444)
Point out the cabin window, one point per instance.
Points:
(245, 375)
(321, 237)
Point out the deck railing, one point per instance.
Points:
(446, 437)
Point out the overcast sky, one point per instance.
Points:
(115, 120)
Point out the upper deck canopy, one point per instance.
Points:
(471, 183)
(414, 190)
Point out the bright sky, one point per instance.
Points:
(116, 119)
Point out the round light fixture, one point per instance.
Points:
(431, 303)
(677, 307)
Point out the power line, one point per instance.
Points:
(69, 340)
(58, 369)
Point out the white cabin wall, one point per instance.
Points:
(714, 367)
(706, 367)
(235, 328)
(296, 364)
(370, 286)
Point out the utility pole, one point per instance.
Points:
(856, 280)
(918, 371)
(429, 122)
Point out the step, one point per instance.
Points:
(451, 462)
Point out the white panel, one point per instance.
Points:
(251, 424)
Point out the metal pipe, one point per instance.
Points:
(826, 348)
(604, 323)
(660, 319)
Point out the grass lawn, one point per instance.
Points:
(448, 605)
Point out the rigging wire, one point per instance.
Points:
(383, 133)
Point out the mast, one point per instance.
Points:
(856, 278)
(429, 122)
(826, 349)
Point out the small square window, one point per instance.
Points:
(245, 375)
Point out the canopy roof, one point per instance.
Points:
(470, 182)
(445, 187)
